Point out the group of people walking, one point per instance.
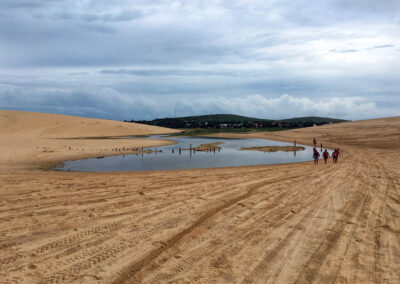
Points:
(325, 154)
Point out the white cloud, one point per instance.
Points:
(286, 106)
(108, 103)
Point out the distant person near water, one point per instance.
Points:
(325, 155)
(315, 142)
(316, 156)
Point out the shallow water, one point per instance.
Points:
(229, 155)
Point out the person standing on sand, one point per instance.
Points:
(316, 156)
(321, 148)
(325, 155)
(337, 155)
(315, 142)
(334, 156)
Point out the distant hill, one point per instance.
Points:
(238, 121)
(314, 119)
(223, 118)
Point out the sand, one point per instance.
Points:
(36, 140)
(274, 148)
(208, 147)
(290, 223)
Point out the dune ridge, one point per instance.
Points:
(39, 140)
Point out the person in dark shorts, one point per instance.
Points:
(316, 156)
(335, 155)
(325, 155)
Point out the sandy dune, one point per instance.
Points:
(37, 140)
(292, 223)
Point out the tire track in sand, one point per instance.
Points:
(130, 271)
(208, 243)
(255, 276)
(311, 268)
(355, 208)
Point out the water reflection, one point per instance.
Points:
(186, 154)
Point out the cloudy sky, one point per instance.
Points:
(141, 59)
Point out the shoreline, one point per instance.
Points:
(269, 149)
(200, 148)
(50, 166)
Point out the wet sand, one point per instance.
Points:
(290, 223)
(273, 148)
(209, 147)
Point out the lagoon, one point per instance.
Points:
(169, 158)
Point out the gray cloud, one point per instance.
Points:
(76, 53)
(169, 72)
(78, 73)
(108, 103)
(21, 4)
(344, 50)
(120, 16)
(383, 46)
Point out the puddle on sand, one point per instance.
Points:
(170, 158)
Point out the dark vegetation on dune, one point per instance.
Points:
(197, 125)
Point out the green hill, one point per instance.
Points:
(314, 119)
(222, 118)
(219, 121)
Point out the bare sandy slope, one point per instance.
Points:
(31, 140)
(293, 223)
